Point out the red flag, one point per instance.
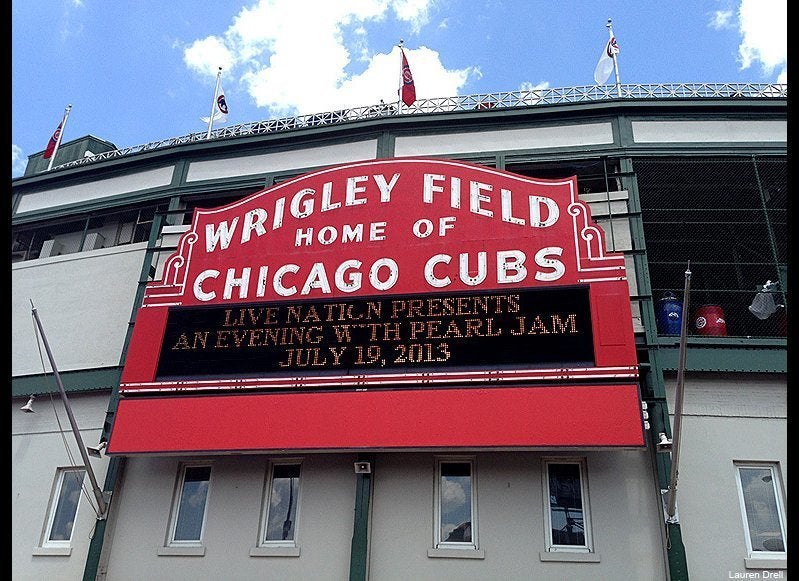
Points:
(51, 145)
(408, 88)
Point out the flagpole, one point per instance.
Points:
(60, 133)
(399, 89)
(676, 434)
(213, 104)
(102, 505)
(615, 61)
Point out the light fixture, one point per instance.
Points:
(363, 468)
(28, 407)
(96, 452)
(664, 444)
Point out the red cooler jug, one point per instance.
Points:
(709, 320)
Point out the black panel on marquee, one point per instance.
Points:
(436, 331)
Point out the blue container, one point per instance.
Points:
(669, 315)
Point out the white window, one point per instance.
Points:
(763, 509)
(63, 507)
(281, 503)
(190, 505)
(566, 505)
(456, 504)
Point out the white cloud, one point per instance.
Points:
(764, 28)
(292, 60)
(721, 19)
(452, 494)
(18, 161)
(207, 55)
(415, 12)
(528, 86)
(70, 26)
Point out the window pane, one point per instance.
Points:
(566, 505)
(456, 502)
(283, 502)
(762, 514)
(192, 503)
(67, 506)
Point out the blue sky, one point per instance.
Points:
(137, 71)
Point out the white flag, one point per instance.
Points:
(605, 65)
(220, 109)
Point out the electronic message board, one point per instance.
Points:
(526, 327)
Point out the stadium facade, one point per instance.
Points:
(436, 343)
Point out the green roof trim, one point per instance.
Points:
(751, 360)
(105, 379)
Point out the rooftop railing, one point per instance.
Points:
(501, 100)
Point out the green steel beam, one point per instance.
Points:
(727, 359)
(678, 568)
(104, 379)
(359, 551)
(675, 549)
(652, 379)
(116, 464)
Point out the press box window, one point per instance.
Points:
(456, 523)
(191, 504)
(763, 510)
(282, 502)
(63, 508)
(566, 507)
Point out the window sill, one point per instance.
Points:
(567, 556)
(181, 551)
(761, 563)
(456, 553)
(274, 551)
(52, 551)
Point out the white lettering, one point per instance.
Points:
(429, 273)
(277, 220)
(543, 259)
(445, 223)
(262, 272)
(429, 188)
(253, 220)
(301, 207)
(385, 188)
(422, 228)
(317, 278)
(277, 282)
(535, 211)
(353, 282)
(507, 209)
(352, 189)
(306, 235)
(482, 269)
(511, 261)
(350, 234)
(393, 273)
(231, 281)
(476, 198)
(455, 193)
(326, 193)
(198, 285)
(327, 235)
(377, 231)
(222, 236)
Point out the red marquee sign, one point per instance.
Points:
(400, 274)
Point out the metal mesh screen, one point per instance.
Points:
(92, 232)
(727, 218)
